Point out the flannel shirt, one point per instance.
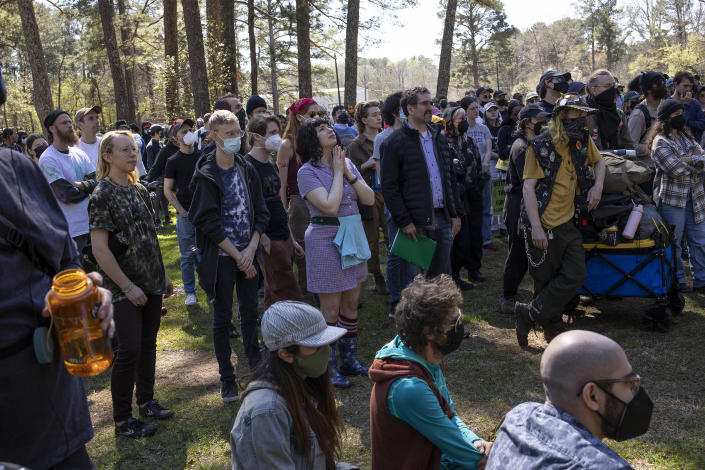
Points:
(675, 178)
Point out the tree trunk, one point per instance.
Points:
(197, 57)
(127, 63)
(214, 48)
(227, 16)
(171, 54)
(446, 49)
(303, 47)
(105, 8)
(272, 57)
(351, 32)
(41, 89)
(253, 44)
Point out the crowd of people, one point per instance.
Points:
(296, 209)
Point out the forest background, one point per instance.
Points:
(158, 59)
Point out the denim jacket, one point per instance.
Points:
(262, 436)
(542, 436)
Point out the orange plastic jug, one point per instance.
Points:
(74, 302)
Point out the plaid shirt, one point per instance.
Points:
(675, 178)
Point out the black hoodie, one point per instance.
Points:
(206, 212)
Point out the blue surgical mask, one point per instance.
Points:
(231, 146)
(402, 116)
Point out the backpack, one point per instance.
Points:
(648, 119)
(623, 175)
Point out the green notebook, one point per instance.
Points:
(419, 253)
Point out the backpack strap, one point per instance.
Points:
(12, 239)
(648, 119)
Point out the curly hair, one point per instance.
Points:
(423, 309)
(390, 108)
(307, 144)
(411, 97)
(361, 110)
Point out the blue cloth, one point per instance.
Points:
(412, 400)
(695, 118)
(351, 241)
(541, 436)
(188, 253)
(684, 221)
(434, 173)
(236, 222)
(343, 129)
(395, 265)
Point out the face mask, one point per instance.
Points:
(453, 339)
(561, 87)
(575, 128)
(273, 143)
(659, 92)
(463, 127)
(24, 141)
(314, 365)
(502, 102)
(190, 138)
(538, 127)
(402, 116)
(39, 150)
(633, 420)
(678, 122)
(231, 146)
(606, 98)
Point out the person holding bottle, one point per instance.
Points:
(126, 248)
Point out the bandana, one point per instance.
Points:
(299, 105)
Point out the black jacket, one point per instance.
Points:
(157, 169)
(206, 212)
(406, 185)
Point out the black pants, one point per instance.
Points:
(229, 277)
(79, 460)
(467, 244)
(516, 264)
(136, 358)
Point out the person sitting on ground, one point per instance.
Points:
(288, 417)
(592, 393)
(413, 423)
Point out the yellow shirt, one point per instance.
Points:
(561, 207)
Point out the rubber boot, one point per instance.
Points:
(336, 379)
(349, 362)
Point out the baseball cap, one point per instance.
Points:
(498, 93)
(631, 95)
(532, 110)
(572, 102)
(550, 74)
(488, 106)
(483, 89)
(531, 94)
(576, 87)
(83, 111)
(288, 323)
(180, 122)
(121, 123)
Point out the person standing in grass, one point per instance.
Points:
(288, 418)
(125, 244)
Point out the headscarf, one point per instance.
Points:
(299, 105)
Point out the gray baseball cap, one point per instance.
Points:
(288, 323)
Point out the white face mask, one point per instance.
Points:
(190, 138)
(273, 143)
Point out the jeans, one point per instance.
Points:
(395, 265)
(186, 236)
(229, 277)
(136, 357)
(440, 232)
(487, 213)
(683, 219)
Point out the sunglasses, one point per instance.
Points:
(313, 114)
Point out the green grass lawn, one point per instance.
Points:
(487, 376)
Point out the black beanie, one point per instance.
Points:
(668, 107)
(255, 102)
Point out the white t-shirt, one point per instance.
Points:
(92, 150)
(72, 167)
(480, 133)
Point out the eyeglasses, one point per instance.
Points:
(634, 381)
(455, 323)
(313, 114)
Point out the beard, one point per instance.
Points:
(69, 137)
(613, 413)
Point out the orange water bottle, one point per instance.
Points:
(74, 302)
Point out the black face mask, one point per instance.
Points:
(502, 102)
(561, 87)
(463, 127)
(659, 92)
(538, 127)
(575, 128)
(454, 337)
(632, 421)
(39, 150)
(677, 122)
(606, 98)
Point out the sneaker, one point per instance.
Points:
(191, 299)
(506, 306)
(135, 429)
(524, 323)
(462, 285)
(392, 310)
(152, 409)
(228, 392)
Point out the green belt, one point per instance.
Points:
(320, 220)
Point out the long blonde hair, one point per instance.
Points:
(558, 134)
(106, 146)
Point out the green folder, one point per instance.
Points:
(419, 253)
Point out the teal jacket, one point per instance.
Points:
(411, 400)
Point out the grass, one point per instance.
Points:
(487, 376)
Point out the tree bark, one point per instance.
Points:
(272, 57)
(127, 63)
(303, 47)
(41, 89)
(253, 44)
(227, 16)
(214, 48)
(351, 32)
(122, 109)
(171, 54)
(446, 49)
(197, 57)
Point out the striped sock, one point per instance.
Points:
(349, 324)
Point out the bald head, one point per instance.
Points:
(576, 357)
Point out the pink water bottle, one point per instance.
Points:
(633, 222)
